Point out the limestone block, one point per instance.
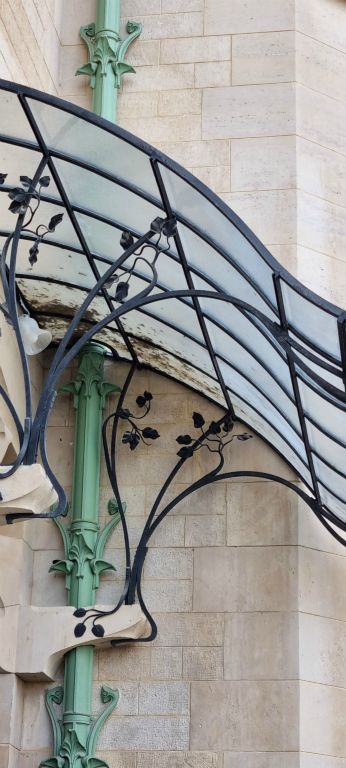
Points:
(184, 102)
(263, 58)
(167, 595)
(263, 163)
(170, 533)
(166, 663)
(321, 225)
(169, 698)
(262, 760)
(125, 663)
(234, 16)
(321, 761)
(15, 573)
(153, 732)
(11, 710)
(322, 709)
(212, 74)
(44, 635)
(169, 564)
(316, 112)
(321, 584)
(177, 6)
(258, 110)
(28, 490)
(31, 758)
(321, 171)
(245, 579)
(313, 535)
(171, 25)
(36, 734)
(197, 153)
(196, 49)
(128, 702)
(202, 663)
(245, 716)
(319, 66)
(116, 759)
(60, 445)
(325, 22)
(133, 104)
(47, 589)
(189, 629)
(8, 757)
(135, 7)
(212, 497)
(144, 53)
(322, 273)
(322, 650)
(203, 531)
(218, 178)
(261, 646)
(271, 214)
(179, 760)
(261, 513)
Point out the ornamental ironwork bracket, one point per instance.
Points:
(107, 52)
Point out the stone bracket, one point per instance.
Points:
(28, 490)
(44, 635)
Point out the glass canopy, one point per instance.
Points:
(224, 317)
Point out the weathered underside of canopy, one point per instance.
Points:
(251, 337)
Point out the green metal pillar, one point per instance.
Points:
(107, 52)
(75, 736)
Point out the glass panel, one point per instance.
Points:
(180, 315)
(329, 478)
(327, 448)
(247, 414)
(247, 334)
(20, 161)
(98, 195)
(76, 137)
(332, 418)
(12, 119)
(332, 503)
(155, 333)
(57, 263)
(233, 352)
(236, 382)
(194, 207)
(311, 321)
(206, 259)
(336, 381)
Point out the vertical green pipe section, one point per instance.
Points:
(88, 400)
(107, 28)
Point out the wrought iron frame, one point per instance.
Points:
(159, 237)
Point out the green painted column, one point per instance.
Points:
(107, 51)
(75, 736)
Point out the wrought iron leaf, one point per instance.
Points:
(228, 424)
(45, 181)
(214, 428)
(142, 400)
(3, 177)
(169, 227)
(198, 420)
(244, 436)
(121, 291)
(26, 181)
(55, 220)
(123, 413)
(148, 396)
(17, 207)
(185, 453)
(79, 613)
(33, 253)
(79, 630)
(126, 240)
(150, 434)
(184, 439)
(157, 224)
(131, 438)
(98, 630)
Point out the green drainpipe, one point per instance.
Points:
(76, 734)
(107, 52)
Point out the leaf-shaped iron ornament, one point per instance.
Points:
(215, 437)
(135, 435)
(26, 200)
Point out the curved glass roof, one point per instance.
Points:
(224, 318)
